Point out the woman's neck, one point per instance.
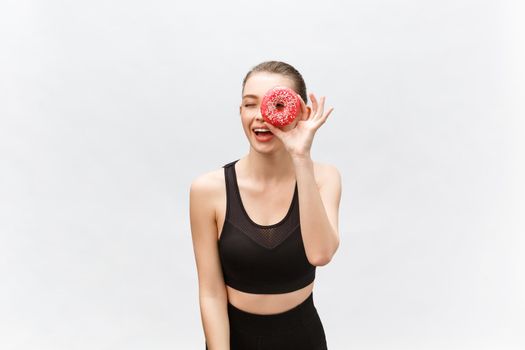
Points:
(268, 168)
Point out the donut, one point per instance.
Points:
(280, 106)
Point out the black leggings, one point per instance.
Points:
(297, 328)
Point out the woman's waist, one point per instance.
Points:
(265, 304)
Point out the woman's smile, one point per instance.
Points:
(263, 136)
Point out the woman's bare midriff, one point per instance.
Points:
(267, 303)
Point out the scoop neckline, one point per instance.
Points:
(241, 204)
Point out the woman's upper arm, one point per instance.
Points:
(330, 192)
(204, 237)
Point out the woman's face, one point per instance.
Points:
(250, 109)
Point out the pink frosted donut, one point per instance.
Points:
(280, 106)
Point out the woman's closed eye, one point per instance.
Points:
(249, 105)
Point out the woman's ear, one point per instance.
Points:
(307, 113)
(305, 110)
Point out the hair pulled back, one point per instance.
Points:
(284, 69)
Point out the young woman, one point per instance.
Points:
(261, 225)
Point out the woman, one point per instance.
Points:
(262, 224)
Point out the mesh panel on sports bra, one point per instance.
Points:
(268, 236)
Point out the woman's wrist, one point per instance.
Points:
(303, 159)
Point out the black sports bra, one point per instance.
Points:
(262, 259)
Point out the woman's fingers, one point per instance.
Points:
(318, 109)
(327, 114)
(314, 105)
(321, 108)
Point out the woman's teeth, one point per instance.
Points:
(258, 131)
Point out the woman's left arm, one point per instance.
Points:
(319, 210)
(318, 206)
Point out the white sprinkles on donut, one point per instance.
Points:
(280, 106)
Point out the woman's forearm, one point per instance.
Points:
(320, 238)
(214, 316)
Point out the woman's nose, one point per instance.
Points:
(258, 116)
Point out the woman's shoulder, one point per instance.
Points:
(209, 183)
(206, 192)
(326, 173)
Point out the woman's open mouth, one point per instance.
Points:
(262, 135)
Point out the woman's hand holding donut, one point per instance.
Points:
(298, 140)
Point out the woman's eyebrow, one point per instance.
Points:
(250, 96)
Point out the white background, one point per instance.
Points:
(109, 109)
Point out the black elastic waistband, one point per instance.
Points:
(272, 323)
